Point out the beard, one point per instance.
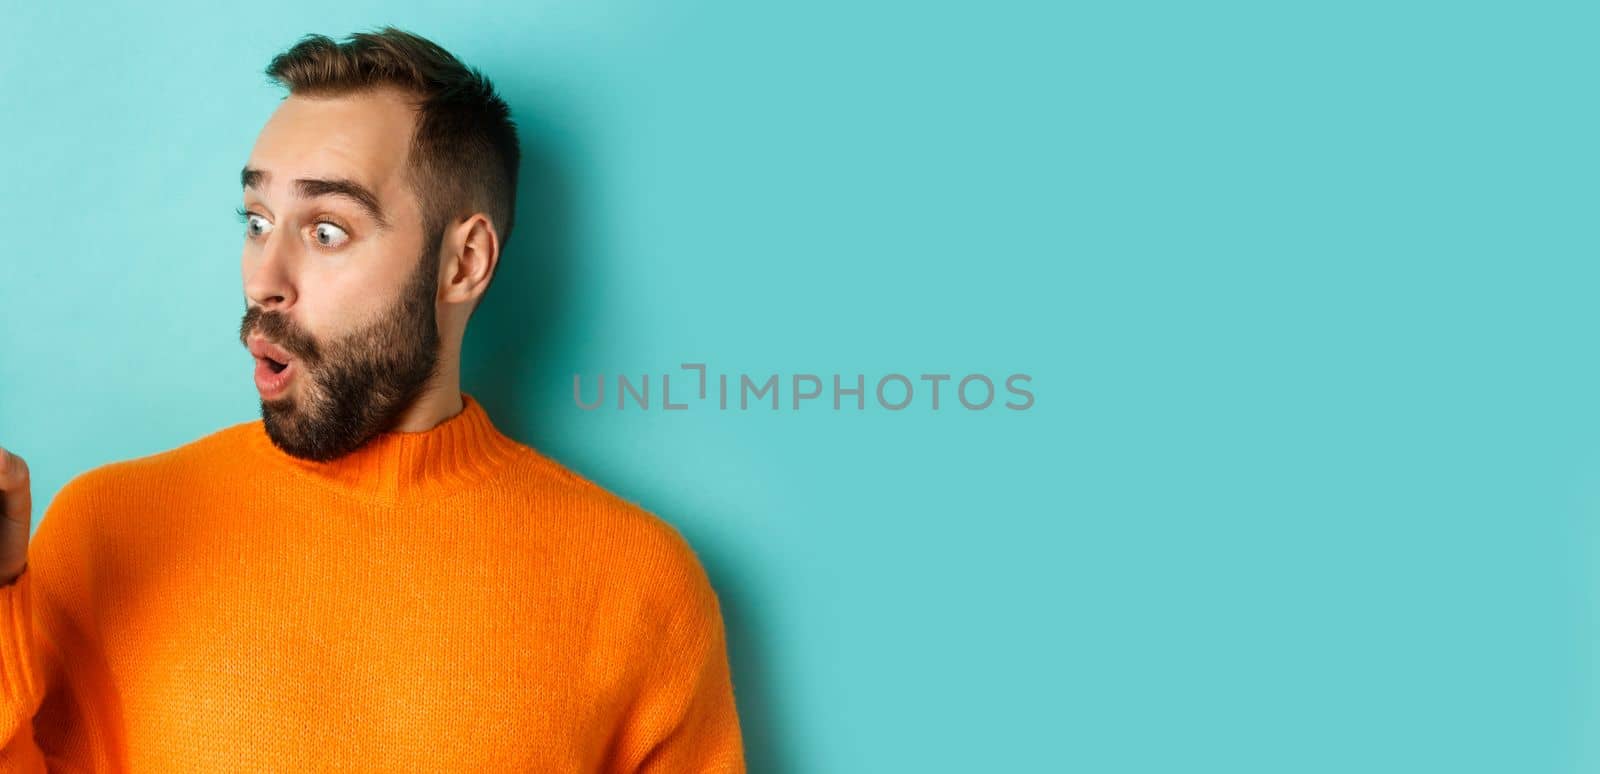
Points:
(356, 386)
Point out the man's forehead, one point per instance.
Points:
(362, 137)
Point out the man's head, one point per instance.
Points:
(376, 201)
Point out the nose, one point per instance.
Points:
(269, 273)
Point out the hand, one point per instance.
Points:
(16, 507)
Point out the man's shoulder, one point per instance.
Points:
(123, 477)
(627, 532)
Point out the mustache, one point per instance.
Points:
(279, 329)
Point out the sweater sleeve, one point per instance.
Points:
(33, 628)
(21, 676)
(686, 720)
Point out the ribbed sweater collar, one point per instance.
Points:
(395, 465)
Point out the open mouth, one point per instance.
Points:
(275, 368)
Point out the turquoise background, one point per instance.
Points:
(1307, 292)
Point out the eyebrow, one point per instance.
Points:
(313, 187)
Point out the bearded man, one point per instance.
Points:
(372, 576)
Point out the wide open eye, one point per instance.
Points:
(254, 225)
(329, 235)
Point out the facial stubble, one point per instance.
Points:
(356, 386)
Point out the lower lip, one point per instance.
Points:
(272, 385)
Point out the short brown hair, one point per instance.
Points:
(464, 151)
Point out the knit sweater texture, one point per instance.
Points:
(443, 600)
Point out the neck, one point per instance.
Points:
(431, 408)
(439, 400)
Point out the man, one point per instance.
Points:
(372, 576)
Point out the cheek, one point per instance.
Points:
(334, 302)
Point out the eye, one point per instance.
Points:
(329, 235)
(254, 225)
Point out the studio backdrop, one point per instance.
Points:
(1091, 387)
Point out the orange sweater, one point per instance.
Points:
(446, 600)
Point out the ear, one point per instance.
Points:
(471, 255)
